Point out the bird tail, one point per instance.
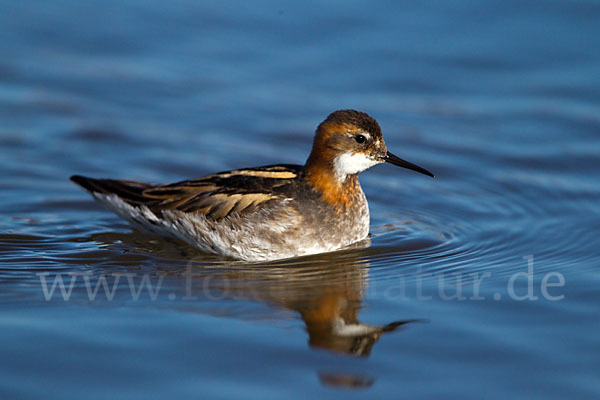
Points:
(129, 191)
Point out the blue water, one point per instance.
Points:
(491, 270)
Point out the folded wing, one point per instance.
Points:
(216, 196)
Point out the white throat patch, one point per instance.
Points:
(350, 164)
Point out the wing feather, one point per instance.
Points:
(216, 196)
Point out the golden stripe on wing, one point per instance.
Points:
(260, 174)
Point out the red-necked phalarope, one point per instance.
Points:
(265, 213)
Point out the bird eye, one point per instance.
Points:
(360, 139)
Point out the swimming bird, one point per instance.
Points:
(270, 212)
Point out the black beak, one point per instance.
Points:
(392, 159)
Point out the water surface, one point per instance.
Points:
(479, 283)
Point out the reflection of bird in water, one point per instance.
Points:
(327, 294)
(332, 324)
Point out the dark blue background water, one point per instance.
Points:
(501, 99)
